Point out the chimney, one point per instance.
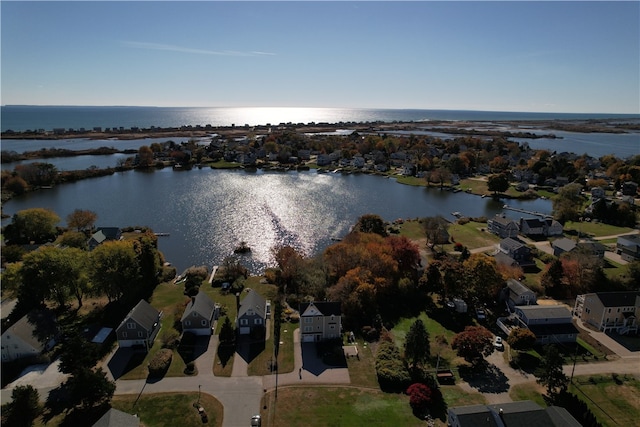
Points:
(238, 301)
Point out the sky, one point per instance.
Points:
(580, 57)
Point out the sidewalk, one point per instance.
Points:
(610, 343)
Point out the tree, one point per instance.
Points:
(114, 269)
(290, 263)
(73, 239)
(434, 229)
(484, 279)
(54, 274)
(420, 397)
(371, 223)
(521, 339)
(89, 388)
(77, 353)
(498, 183)
(145, 156)
(416, 344)
(551, 279)
(227, 332)
(567, 204)
(550, 373)
(81, 220)
(36, 224)
(473, 343)
(23, 409)
(16, 185)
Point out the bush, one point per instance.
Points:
(390, 368)
(191, 369)
(370, 333)
(160, 363)
(420, 397)
(170, 338)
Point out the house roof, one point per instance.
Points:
(618, 299)
(201, 304)
(504, 259)
(545, 311)
(517, 287)
(115, 418)
(326, 308)
(143, 314)
(533, 222)
(514, 414)
(253, 301)
(503, 220)
(566, 245)
(629, 239)
(24, 330)
(511, 244)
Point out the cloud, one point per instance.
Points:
(182, 49)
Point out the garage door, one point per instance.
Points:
(245, 330)
(307, 338)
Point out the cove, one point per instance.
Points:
(207, 212)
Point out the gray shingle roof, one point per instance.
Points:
(116, 418)
(201, 304)
(327, 308)
(618, 299)
(143, 314)
(253, 301)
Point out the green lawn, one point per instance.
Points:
(529, 391)
(170, 409)
(469, 234)
(362, 371)
(260, 365)
(614, 401)
(595, 229)
(337, 406)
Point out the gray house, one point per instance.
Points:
(102, 235)
(252, 314)
(628, 247)
(199, 315)
(551, 324)
(519, 294)
(521, 413)
(140, 327)
(503, 227)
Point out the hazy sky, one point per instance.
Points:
(505, 56)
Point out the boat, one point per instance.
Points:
(242, 248)
(456, 214)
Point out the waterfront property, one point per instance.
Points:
(252, 314)
(516, 250)
(102, 235)
(140, 327)
(503, 226)
(199, 315)
(518, 294)
(320, 321)
(609, 311)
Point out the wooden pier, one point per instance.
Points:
(527, 212)
(214, 269)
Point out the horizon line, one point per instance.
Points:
(324, 108)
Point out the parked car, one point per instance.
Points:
(480, 314)
(256, 421)
(497, 344)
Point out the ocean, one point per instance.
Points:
(22, 118)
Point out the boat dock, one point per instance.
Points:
(214, 269)
(527, 212)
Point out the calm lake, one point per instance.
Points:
(208, 212)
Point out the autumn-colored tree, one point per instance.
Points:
(434, 228)
(145, 156)
(35, 224)
(290, 264)
(115, 270)
(521, 339)
(485, 281)
(81, 220)
(16, 185)
(473, 343)
(406, 253)
(73, 239)
(420, 397)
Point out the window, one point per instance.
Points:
(257, 322)
(124, 335)
(187, 322)
(244, 322)
(203, 322)
(131, 325)
(308, 320)
(332, 326)
(140, 334)
(308, 328)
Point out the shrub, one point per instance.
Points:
(370, 333)
(190, 369)
(170, 338)
(420, 397)
(160, 363)
(390, 368)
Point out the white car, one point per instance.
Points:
(497, 344)
(256, 421)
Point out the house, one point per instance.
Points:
(563, 245)
(104, 234)
(550, 323)
(532, 227)
(517, 250)
(515, 414)
(116, 418)
(518, 294)
(628, 247)
(503, 227)
(552, 227)
(252, 314)
(320, 321)
(199, 315)
(597, 193)
(606, 311)
(20, 340)
(629, 188)
(140, 327)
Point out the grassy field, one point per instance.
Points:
(469, 234)
(362, 371)
(260, 365)
(595, 229)
(614, 401)
(529, 391)
(170, 409)
(338, 406)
